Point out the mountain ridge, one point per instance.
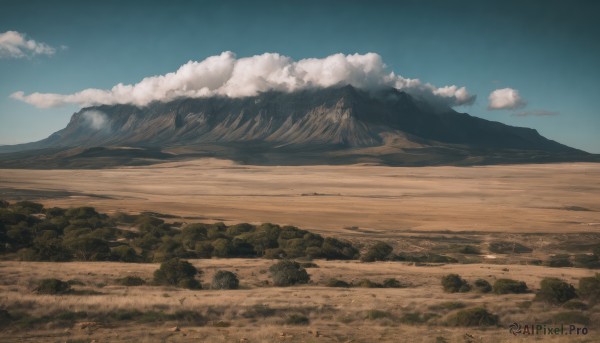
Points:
(329, 120)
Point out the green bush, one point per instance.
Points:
(506, 286)
(131, 281)
(287, 273)
(453, 283)
(380, 251)
(392, 283)
(589, 288)
(297, 319)
(52, 286)
(177, 272)
(469, 250)
(587, 261)
(555, 291)
(559, 261)
(337, 283)
(482, 286)
(123, 253)
(574, 305)
(509, 248)
(366, 283)
(225, 280)
(476, 316)
(377, 314)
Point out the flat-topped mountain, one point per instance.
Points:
(331, 125)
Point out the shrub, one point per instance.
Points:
(380, 251)
(366, 283)
(469, 250)
(392, 283)
(309, 265)
(287, 273)
(453, 283)
(123, 253)
(575, 305)
(225, 280)
(587, 261)
(131, 281)
(177, 272)
(509, 248)
(571, 317)
(482, 286)
(28, 207)
(337, 283)
(53, 286)
(476, 316)
(297, 319)
(416, 317)
(377, 314)
(559, 261)
(506, 286)
(447, 306)
(589, 288)
(555, 291)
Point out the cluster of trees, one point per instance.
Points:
(31, 232)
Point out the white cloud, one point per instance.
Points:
(226, 75)
(94, 119)
(505, 99)
(14, 44)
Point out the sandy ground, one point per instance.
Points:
(515, 198)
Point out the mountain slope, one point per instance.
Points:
(332, 125)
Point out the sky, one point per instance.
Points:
(523, 63)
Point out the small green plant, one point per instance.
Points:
(507, 286)
(476, 316)
(225, 280)
(453, 283)
(555, 291)
(53, 286)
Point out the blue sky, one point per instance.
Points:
(547, 50)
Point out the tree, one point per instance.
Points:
(288, 273)
(176, 272)
(88, 248)
(225, 280)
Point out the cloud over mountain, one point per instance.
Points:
(14, 44)
(227, 75)
(506, 99)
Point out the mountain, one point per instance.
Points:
(335, 125)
